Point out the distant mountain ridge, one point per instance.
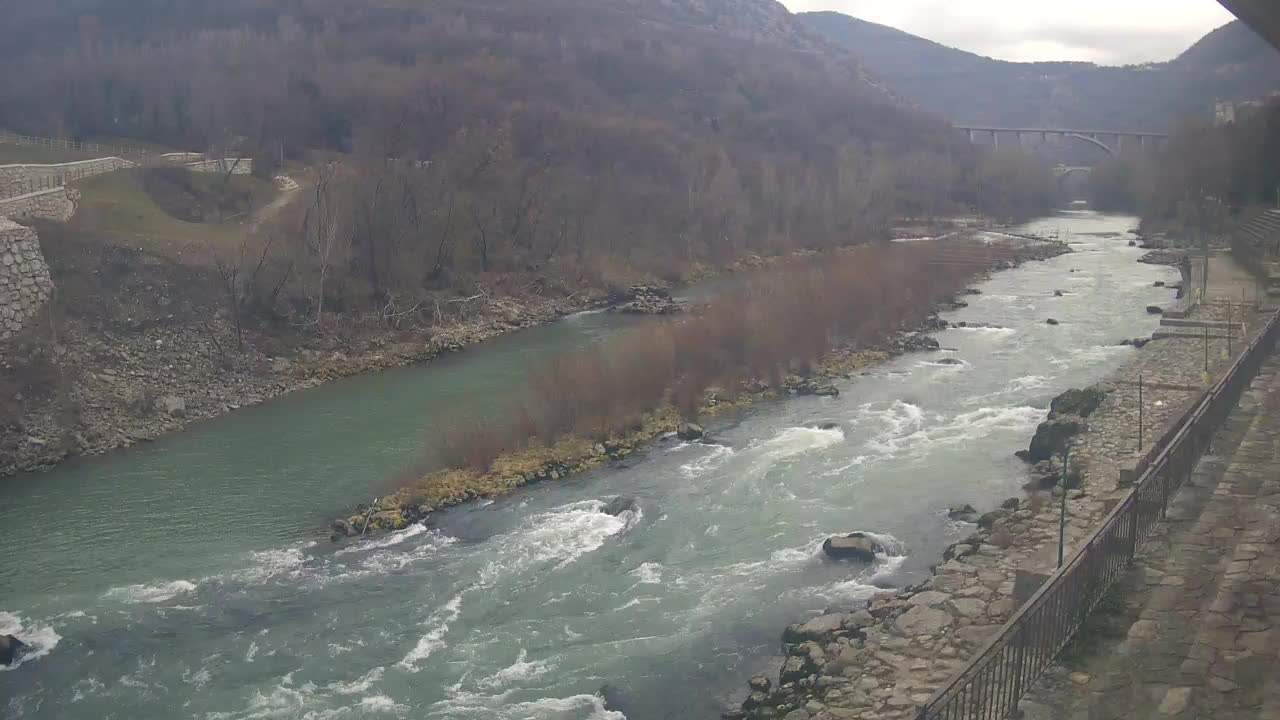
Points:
(1230, 63)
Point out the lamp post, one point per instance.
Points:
(1062, 515)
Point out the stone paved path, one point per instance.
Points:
(1204, 597)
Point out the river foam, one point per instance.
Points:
(153, 593)
(796, 440)
(40, 638)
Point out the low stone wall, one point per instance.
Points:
(57, 204)
(25, 285)
(182, 158)
(237, 166)
(24, 179)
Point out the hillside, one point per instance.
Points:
(544, 131)
(1231, 63)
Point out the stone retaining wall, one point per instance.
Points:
(25, 285)
(238, 166)
(24, 179)
(57, 204)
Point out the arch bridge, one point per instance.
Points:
(1094, 137)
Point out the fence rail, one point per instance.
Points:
(24, 179)
(122, 150)
(993, 683)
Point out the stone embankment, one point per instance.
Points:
(57, 204)
(24, 179)
(887, 658)
(24, 277)
(1190, 630)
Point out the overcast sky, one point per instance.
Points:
(1110, 32)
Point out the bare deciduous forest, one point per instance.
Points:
(557, 142)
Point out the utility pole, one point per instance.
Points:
(1206, 353)
(1141, 407)
(1062, 514)
(1204, 244)
(1230, 332)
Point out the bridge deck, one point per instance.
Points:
(1062, 131)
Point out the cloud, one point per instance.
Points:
(1103, 31)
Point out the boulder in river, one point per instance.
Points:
(613, 698)
(1158, 283)
(963, 513)
(1051, 321)
(689, 431)
(854, 546)
(760, 683)
(949, 361)
(1058, 293)
(1052, 436)
(1155, 310)
(10, 648)
(619, 505)
(342, 527)
(1077, 402)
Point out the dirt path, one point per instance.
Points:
(288, 191)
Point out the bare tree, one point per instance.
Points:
(322, 230)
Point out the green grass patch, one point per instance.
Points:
(119, 206)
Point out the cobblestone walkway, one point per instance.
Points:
(1204, 597)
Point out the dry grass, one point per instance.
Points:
(782, 322)
(118, 205)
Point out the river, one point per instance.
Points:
(189, 578)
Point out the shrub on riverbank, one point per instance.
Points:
(775, 325)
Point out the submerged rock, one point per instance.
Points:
(10, 649)
(1155, 310)
(854, 546)
(963, 513)
(949, 361)
(690, 431)
(613, 698)
(1050, 321)
(619, 505)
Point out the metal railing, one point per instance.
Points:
(16, 139)
(993, 683)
